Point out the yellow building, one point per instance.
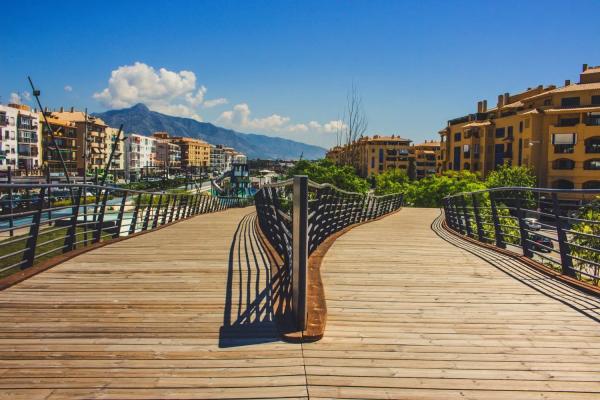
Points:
(97, 151)
(65, 137)
(195, 153)
(373, 155)
(553, 130)
(425, 157)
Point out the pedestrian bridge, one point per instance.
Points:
(193, 310)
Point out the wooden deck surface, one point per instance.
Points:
(184, 312)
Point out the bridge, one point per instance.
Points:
(336, 295)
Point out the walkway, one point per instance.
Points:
(411, 316)
(185, 312)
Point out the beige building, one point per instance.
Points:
(195, 153)
(426, 158)
(117, 165)
(65, 137)
(373, 155)
(553, 130)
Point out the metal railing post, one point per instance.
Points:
(147, 216)
(565, 252)
(523, 229)
(157, 212)
(172, 213)
(120, 217)
(467, 217)
(300, 249)
(72, 231)
(100, 220)
(475, 202)
(166, 211)
(34, 230)
(133, 223)
(499, 236)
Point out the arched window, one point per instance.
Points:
(591, 185)
(593, 164)
(467, 166)
(562, 184)
(592, 145)
(563, 163)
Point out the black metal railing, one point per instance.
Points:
(39, 221)
(297, 215)
(556, 227)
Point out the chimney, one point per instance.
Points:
(585, 67)
(567, 82)
(500, 100)
(62, 109)
(45, 109)
(72, 109)
(540, 86)
(479, 106)
(484, 106)
(506, 98)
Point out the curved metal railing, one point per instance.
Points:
(557, 227)
(297, 215)
(39, 221)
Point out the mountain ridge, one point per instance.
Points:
(140, 119)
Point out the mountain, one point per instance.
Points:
(140, 119)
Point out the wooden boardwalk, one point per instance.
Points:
(184, 312)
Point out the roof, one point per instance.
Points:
(77, 116)
(591, 70)
(428, 144)
(378, 138)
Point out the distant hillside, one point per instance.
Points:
(140, 119)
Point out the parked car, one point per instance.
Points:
(5, 202)
(541, 242)
(532, 223)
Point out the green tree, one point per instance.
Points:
(391, 181)
(429, 192)
(325, 171)
(588, 239)
(506, 176)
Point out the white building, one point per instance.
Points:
(140, 154)
(28, 139)
(8, 137)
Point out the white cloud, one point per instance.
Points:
(239, 117)
(215, 102)
(15, 98)
(162, 90)
(68, 88)
(333, 126)
(26, 95)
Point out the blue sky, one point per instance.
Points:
(283, 68)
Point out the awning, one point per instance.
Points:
(572, 110)
(564, 138)
(477, 124)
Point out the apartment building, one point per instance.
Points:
(221, 158)
(28, 139)
(140, 155)
(373, 155)
(553, 130)
(195, 153)
(168, 153)
(425, 157)
(95, 150)
(117, 165)
(8, 137)
(65, 137)
(240, 176)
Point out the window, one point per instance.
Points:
(520, 126)
(510, 132)
(563, 163)
(568, 121)
(499, 132)
(467, 166)
(457, 137)
(592, 164)
(562, 184)
(380, 155)
(564, 142)
(476, 151)
(520, 157)
(498, 154)
(592, 145)
(569, 102)
(596, 100)
(548, 102)
(467, 150)
(591, 185)
(457, 158)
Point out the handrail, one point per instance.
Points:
(295, 232)
(42, 225)
(507, 218)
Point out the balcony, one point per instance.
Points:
(592, 121)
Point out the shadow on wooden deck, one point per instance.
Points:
(257, 291)
(584, 303)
